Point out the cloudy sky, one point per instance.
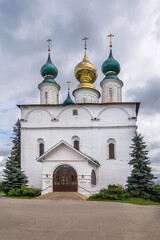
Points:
(25, 25)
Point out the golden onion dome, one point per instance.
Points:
(85, 72)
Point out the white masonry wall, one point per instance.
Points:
(94, 125)
(49, 93)
(86, 95)
(114, 86)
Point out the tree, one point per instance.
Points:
(16, 149)
(14, 177)
(140, 183)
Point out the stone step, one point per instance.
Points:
(62, 196)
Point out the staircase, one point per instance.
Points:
(58, 196)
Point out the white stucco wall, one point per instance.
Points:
(52, 91)
(86, 95)
(94, 125)
(116, 87)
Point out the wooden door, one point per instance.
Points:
(65, 179)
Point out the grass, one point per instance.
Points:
(137, 201)
(20, 197)
(17, 197)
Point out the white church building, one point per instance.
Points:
(82, 145)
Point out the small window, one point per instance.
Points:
(75, 112)
(76, 144)
(110, 95)
(111, 151)
(57, 98)
(93, 178)
(46, 98)
(41, 149)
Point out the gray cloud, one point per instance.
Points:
(148, 95)
(4, 151)
(3, 162)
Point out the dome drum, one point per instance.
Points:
(86, 95)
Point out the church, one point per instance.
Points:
(83, 144)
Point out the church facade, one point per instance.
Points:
(81, 145)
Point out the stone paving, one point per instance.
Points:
(62, 196)
(23, 219)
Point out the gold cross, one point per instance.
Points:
(68, 85)
(49, 40)
(85, 38)
(110, 36)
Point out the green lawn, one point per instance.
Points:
(20, 197)
(138, 201)
(16, 197)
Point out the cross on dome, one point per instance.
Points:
(68, 85)
(110, 36)
(85, 39)
(85, 47)
(49, 49)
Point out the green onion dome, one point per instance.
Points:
(49, 70)
(68, 100)
(111, 67)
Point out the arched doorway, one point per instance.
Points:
(65, 179)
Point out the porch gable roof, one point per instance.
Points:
(40, 159)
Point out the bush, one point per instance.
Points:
(112, 186)
(24, 192)
(114, 192)
(155, 195)
(15, 192)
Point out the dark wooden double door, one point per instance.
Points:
(65, 179)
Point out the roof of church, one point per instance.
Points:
(68, 100)
(110, 67)
(67, 144)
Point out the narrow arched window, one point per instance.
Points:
(110, 95)
(41, 149)
(76, 144)
(111, 151)
(93, 178)
(46, 97)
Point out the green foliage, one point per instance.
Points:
(114, 192)
(112, 186)
(155, 195)
(140, 183)
(16, 149)
(132, 200)
(1, 187)
(24, 192)
(13, 177)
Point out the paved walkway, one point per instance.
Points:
(77, 220)
(2, 196)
